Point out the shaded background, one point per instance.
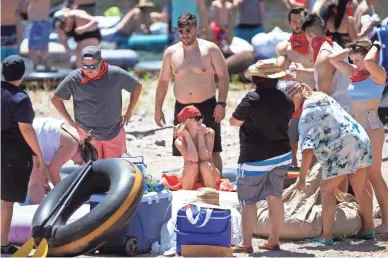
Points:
(275, 11)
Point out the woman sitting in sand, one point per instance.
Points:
(343, 149)
(195, 142)
(59, 143)
(366, 90)
(77, 24)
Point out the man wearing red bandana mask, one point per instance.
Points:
(96, 90)
(327, 78)
(295, 55)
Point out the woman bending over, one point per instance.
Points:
(59, 143)
(342, 147)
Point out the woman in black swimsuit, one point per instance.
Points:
(77, 24)
(340, 26)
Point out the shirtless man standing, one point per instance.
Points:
(295, 54)
(193, 62)
(39, 36)
(223, 21)
(9, 28)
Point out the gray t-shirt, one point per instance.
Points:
(98, 103)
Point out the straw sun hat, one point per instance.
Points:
(208, 198)
(265, 68)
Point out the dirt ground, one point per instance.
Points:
(154, 144)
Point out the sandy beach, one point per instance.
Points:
(145, 138)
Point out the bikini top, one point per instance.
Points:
(79, 37)
(365, 89)
(341, 38)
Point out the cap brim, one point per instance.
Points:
(28, 67)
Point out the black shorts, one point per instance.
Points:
(15, 175)
(207, 109)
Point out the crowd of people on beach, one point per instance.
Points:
(320, 96)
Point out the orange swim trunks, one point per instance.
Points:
(113, 148)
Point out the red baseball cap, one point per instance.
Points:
(188, 112)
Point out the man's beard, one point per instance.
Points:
(188, 42)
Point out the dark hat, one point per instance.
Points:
(91, 53)
(15, 67)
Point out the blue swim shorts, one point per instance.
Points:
(39, 36)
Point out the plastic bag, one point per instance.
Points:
(236, 226)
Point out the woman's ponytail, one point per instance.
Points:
(88, 151)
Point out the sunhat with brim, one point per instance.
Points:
(15, 65)
(266, 70)
(144, 3)
(208, 198)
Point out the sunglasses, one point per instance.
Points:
(198, 118)
(90, 67)
(187, 30)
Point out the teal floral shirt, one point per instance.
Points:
(339, 142)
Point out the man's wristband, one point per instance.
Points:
(223, 104)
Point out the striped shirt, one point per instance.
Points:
(261, 168)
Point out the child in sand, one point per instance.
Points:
(195, 142)
(223, 22)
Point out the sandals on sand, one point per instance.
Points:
(243, 249)
(320, 241)
(366, 235)
(270, 247)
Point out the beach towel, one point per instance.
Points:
(172, 181)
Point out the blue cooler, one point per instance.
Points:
(143, 229)
(203, 226)
(139, 162)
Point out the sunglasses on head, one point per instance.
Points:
(187, 30)
(198, 118)
(90, 67)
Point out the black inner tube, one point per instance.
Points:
(121, 178)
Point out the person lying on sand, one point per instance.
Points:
(195, 142)
(137, 20)
(59, 143)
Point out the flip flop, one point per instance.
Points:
(319, 240)
(366, 235)
(270, 247)
(243, 249)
